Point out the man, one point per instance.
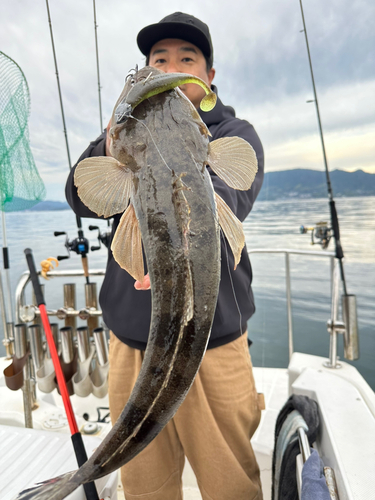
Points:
(214, 424)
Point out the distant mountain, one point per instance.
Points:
(303, 183)
(47, 205)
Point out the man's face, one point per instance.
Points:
(172, 55)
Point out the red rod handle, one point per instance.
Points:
(51, 344)
(58, 370)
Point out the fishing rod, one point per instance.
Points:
(80, 245)
(334, 218)
(76, 436)
(7, 276)
(107, 235)
(97, 67)
(6, 308)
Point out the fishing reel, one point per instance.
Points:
(79, 245)
(320, 234)
(104, 238)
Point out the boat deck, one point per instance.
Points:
(270, 381)
(343, 396)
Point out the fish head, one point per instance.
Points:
(140, 85)
(121, 126)
(123, 109)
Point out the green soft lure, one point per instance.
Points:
(161, 83)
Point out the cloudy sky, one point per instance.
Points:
(260, 59)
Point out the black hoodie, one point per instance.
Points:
(127, 311)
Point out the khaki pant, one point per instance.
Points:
(212, 428)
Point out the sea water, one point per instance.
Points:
(271, 224)
(275, 224)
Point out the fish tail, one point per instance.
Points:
(56, 488)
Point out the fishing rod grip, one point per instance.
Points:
(336, 229)
(85, 266)
(34, 277)
(5, 257)
(79, 448)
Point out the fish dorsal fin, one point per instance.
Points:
(104, 184)
(127, 245)
(232, 228)
(234, 161)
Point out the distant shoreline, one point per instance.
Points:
(306, 184)
(49, 206)
(295, 184)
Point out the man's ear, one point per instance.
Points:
(211, 75)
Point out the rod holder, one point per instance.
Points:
(334, 326)
(349, 314)
(70, 304)
(9, 336)
(20, 340)
(91, 303)
(67, 345)
(20, 347)
(101, 345)
(36, 345)
(83, 342)
(55, 334)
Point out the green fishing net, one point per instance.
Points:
(21, 187)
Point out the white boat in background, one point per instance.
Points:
(42, 449)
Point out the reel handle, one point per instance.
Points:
(62, 257)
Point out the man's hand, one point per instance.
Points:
(144, 285)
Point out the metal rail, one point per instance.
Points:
(334, 326)
(287, 252)
(25, 278)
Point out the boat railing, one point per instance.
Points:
(328, 472)
(334, 326)
(348, 327)
(25, 279)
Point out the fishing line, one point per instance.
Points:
(161, 156)
(207, 206)
(97, 67)
(157, 149)
(231, 279)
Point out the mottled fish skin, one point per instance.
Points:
(174, 203)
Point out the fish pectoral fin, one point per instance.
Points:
(104, 184)
(127, 245)
(232, 228)
(234, 161)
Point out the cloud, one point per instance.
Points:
(269, 59)
(261, 62)
(290, 134)
(351, 150)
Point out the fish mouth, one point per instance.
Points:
(123, 112)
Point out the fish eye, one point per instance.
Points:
(132, 73)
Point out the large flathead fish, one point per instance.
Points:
(158, 178)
